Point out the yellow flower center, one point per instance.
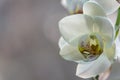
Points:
(91, 46)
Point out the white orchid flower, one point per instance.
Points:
(88, 40)
(75, 6)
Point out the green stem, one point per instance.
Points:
(117, 24)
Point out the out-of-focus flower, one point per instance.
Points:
(75, 6)
(117, 56)
(88, 40)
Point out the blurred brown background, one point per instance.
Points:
(29, 42)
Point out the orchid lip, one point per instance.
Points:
(91, 46)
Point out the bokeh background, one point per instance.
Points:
(29, 42)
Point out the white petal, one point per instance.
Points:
(110, 52)
(71, 53)
(109, 6)
(71, 27)
(117, 42)
(64, 3)
(62, 43)
(105, 29)
(113, 17)
(91, 69)
(93, 9)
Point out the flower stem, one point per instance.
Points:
(117, 24)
